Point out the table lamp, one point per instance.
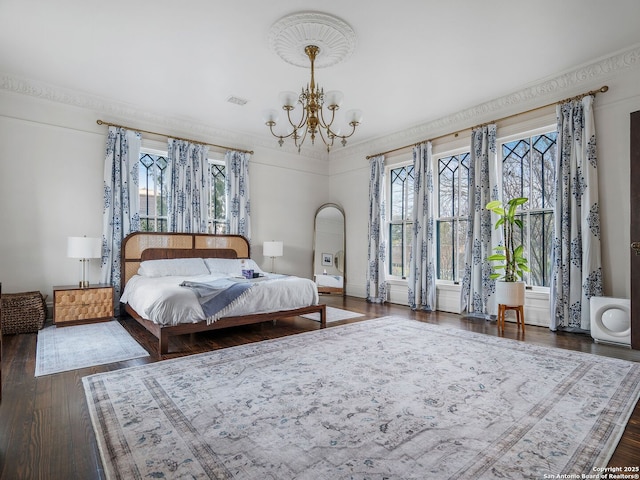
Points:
(272, 249)
(84, 248)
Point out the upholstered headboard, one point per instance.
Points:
(140, 246)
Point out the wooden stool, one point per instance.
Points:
(519, 315)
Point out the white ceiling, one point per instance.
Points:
(415, 60)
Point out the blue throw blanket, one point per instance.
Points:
(218, 295)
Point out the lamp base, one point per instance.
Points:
(84, 283)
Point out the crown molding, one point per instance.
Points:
(544, 92)
(550, 90)
(120, 112)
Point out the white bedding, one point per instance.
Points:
(163, 301)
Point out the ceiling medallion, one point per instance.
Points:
(290, 35)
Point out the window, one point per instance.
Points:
(453, 211)
(528, 170)
(153, 184)
(218, 201)
(400, 225)
(154, 193)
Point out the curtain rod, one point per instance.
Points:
(577, 97)
(100, 122)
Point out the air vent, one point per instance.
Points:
(237, 100)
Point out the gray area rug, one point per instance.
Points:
(386, 398)
(334, 315)
(60, 349)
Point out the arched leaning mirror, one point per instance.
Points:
(329, 247)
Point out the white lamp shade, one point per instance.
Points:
(334, 97)
(354, 117)
(270, 115)
(84, 247)
(272, 249)
(288, 99)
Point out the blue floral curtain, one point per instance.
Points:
(121, 208)
(237, 190)
(422, 271)
(188, 206)
(478, 290)
(576, 269)
(377, 251)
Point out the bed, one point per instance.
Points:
(144, 252)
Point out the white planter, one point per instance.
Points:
(510, 294)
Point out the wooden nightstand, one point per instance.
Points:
(73, 305)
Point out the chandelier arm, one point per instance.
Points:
(295, 140)
(323, 123)
(327, 141)
(279, 136)
(353, 130)
(303, 118)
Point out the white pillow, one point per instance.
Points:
(173, 267)
(231, 266)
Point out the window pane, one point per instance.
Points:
(402, 193)
(408, 228)
(397, 185)
(515, 169)
(409, 194)
(463, 168)
(396, 265)
(162, 225)
(217, 212)
(399, 240)
(543, 166)
(152, 178)
(445, 250)
(540, 251)
(144, 225)
(219, 227)
(461, 237)
(447, 167)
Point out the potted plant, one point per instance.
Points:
(509, 272)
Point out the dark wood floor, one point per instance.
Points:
(46, 433)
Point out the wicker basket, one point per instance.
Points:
(23, 312)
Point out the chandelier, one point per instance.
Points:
(318, 112)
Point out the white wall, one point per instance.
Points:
(50, 188)
(286, 191)
(51, 170)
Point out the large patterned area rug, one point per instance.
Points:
(386, 398)
(60, 349)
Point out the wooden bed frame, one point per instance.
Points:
(141, 246)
